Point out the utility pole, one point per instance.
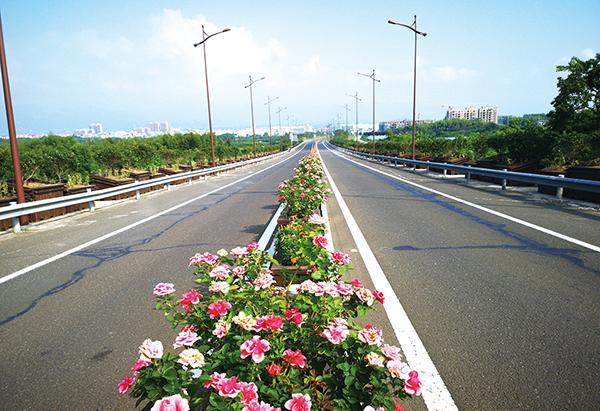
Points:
(356, 99)
(268, 103)
(12, 133)
(252, 110)
(347, 110)
(279, 110)
(372, 77)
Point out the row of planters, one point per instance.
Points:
(36, 189)
(253, 342)
(501, 162)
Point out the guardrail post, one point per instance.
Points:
(445, 170)
(137, 194)
(16, 222)
(189, 181)
(395, 163)
(427, 168)
(559, 190)
(504, 180)
(468, 176)
(168, 186)
(91, 206)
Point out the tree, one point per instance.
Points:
(577, 105)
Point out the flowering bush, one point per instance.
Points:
(246, 343)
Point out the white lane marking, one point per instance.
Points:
(130, 226)
(482, 208)
(435, 393)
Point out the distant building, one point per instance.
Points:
(504, 120)
(163, 127)
(487, 114)
(95, 128)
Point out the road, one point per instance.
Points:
(70, 329)
(509, 315)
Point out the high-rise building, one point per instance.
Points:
(163, 127)
(487, 114)
(95, 128)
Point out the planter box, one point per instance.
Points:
(101, 182)
(76, 190)
(39, 190)
(449, 160)
(186, 168)
(158, 186)
(495, 163)
(550, 171)
(170, 172)
(4, 202)
(586, 173)
(141, 175)
(284, 274)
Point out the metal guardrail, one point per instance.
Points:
(14, 211)
(554, 181)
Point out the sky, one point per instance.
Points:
(124, 63)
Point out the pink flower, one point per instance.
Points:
(412, 386)
(139, 364)
(374, 360)
(206, 258)
(357, 283)
(219, 287)
(221, 329)
(239, 251)
(252, 246)
(150, 349)
(189, 298)
(161, 289)
(302, 195)
(255, 347)
(218, 308)
(340, 258)
(191, 357)
(294, 358)
(228, 387)
(274, 370)
(249, 392)
(126, 384)
(379, 296)
(263, 406)
(221, 272)
(269, 322)
(185, 338)
(344, 288)
(264, 280)
(299, 402)
(189, 327)
(293, 315)
(215, 379)
(172, 403)
(320, 241)
(365, 296)
(316, 219)
(398, 369)
(370, 335)
(238, 271)
(391, 352)
(337, 331)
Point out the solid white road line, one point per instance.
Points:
(435, 394)
(482, 208)
(130, 226)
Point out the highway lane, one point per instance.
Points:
(509, 315)
(70, 329)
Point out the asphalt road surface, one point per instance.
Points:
(509, 315)
(69, 330)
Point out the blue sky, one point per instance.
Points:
(125, 63)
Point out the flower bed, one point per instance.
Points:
(246, 343)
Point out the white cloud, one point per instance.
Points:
(587, 53)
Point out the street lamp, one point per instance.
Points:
(355, 97)
(347, 110)
(12, 133)
(268, 103)
(279, 110)
(372, 77)
(203, 43)
(252, 110)
(413, 27)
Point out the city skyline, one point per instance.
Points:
(121, 69)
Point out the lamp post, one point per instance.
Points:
(347, 110)
(413, 27)
(279, 110)
(268, 103)
(205, 37)
(355, 97)
(12, 133)
(252, 110)
(372, 77)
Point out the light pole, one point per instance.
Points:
(279, 110)
(355, 97)
(12, 133)
(268, 104)
(347, 110)
(413, 27)
(252, 110)
(203, 43)
(372, 77)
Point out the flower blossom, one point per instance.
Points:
(340, 258)
(264, 280)
(391, 352)
(293, 315)
(371, 335)
(172, 403)
(125, 384)
(374, 360)
(161, 289)
(228, 387)
(356, 283)
(412, 386)
(294, 358)
(215, 379)
(190, 298)
(299, 402)
(221, 329)
(218, 308)
(255, 347)
(316, 219)
(252, 246)
(191, 357)
(274, 370)
(320, 241)
(263, 406)
(337, 331)
(344, 289)
(366, 296)
(239, 251)
(221, 272)
(269, 322)
(139, 364)
(247, 322)
(249, 392)
(398, 369)
(379, 296)
(238, 271)
(206, 258)
(219, 287)
(185, 338)
(150, 349)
